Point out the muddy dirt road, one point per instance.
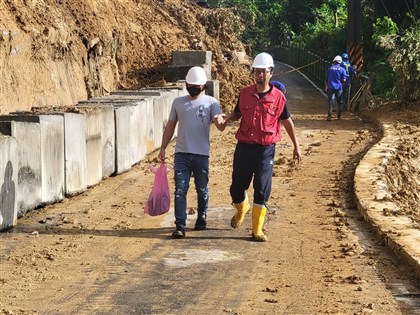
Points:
(98, 253)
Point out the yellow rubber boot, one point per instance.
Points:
(242, 208)
(258, 218)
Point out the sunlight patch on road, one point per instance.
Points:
(185, 258)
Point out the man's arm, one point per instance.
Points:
(220, 121)
(166, 137)
(233, 116)
(344, 76)
(291, 131)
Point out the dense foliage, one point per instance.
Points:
(321, 26)
(404, 59)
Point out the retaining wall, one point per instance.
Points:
(48, 154)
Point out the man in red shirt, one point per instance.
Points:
(262, 109)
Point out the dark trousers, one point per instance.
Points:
(346, 96)
(252, 161)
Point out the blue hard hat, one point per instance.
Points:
(345, 56)
(279, 85)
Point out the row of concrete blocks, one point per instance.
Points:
(47, 155)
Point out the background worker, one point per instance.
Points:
(348, 67)
(194, 113)
(334, 80)
(279, 85)
(262, 109)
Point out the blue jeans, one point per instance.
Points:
(338, 95)
(187, 164)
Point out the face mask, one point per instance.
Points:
(194, 91)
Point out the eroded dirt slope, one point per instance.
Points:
(59, 52)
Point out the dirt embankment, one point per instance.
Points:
(402, 172)
(55, 53)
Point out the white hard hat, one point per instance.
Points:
(196, 76)
(263, 60)
(338, 59)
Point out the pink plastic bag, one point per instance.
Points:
(159, 199)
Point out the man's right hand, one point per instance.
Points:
(161, 154)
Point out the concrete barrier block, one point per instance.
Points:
(161, 108)
(183, 91)
(134, 124)
(108, 141)
(29, 188)
(76, 180)
(117, 98)
(106, 125)
(134, 94)
(100, 139)
(213, 89)
(122, 141)
(129, 116)
(8, 182)
(159, 120)
(182, 61)
(175, 73)
(145, 127)
(133, 134)
(52, 152)
(52, 157)
(191, 57)
(155, 101)
(162, 97)
(154, 91)
(93, 136)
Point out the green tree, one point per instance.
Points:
(321, 26)
(404, 60)
(261, 20)
(384, 26)
(327, 34)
